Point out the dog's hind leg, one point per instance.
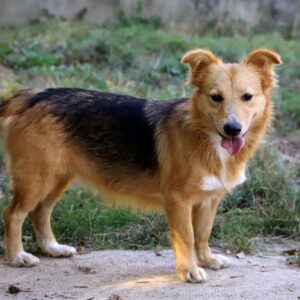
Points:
(38, 166)
(41, 220)
(23, 202)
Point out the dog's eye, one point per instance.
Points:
(217, 98)
(247, 97)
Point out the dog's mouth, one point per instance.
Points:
(233, 145)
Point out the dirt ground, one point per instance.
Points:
(118, 275)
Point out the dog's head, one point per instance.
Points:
(231, 97)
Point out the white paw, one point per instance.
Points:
(195, 275)
(57, 250)
(24, 259)
(218, 262)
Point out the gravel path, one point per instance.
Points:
(120, 275)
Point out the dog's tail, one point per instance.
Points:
(13, 106)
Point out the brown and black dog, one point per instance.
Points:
(181, 156)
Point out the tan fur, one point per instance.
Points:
(43, 161)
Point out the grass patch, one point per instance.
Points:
(143, 59)
(268, 204)
(81, 218)
(136, 57)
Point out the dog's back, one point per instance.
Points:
(108, 140)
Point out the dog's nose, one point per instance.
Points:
(232, 128)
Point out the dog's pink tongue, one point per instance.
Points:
(233, 145)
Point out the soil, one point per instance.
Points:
(119, 274)
(289, 147)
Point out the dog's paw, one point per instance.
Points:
(57, 250)
(216, 262)
(24, 259)
(194, 275)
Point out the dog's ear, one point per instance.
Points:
(198, 60)
(264, 60)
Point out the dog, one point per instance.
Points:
(180, 156)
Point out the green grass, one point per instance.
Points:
(267, 204)
(83, 219)
(142, 58)
(135, 57)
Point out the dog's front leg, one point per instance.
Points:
(179, 215)
(203, 218)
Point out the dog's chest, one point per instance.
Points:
(211, 183)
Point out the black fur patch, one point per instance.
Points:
(115, 128)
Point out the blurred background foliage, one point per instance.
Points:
(141, 57)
